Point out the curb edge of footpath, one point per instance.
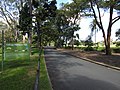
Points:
(92, 61)
(48, 74)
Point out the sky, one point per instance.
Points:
(85, 29)
(62, 1)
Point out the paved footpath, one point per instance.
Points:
(70, 73)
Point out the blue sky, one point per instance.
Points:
(62, 1)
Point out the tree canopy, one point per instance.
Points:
(37, 18)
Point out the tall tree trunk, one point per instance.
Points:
(30, 27)
(72, 44)
(73, 40)
(107, 44)
(65, 42)
(108, 49)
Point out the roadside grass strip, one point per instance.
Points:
(44, 78)
(18, 74)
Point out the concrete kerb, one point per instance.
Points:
(89, 60)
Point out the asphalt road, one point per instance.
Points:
(70, 73)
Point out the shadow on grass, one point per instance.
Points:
(18, 74)
(16, 79)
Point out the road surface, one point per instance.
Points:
(70, 73)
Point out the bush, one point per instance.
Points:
(76, 42)
(68, 47)
(116, 50)
(89, 49)
(117, 44)
(101, 49)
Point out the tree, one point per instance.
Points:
(61, 25)
(109, 5)
(89, 43)
(76, 42)
(93, 27)
(44, 12)
(9, 13)
(118, 34)
(49, 32)
(73, 12)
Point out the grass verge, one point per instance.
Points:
(18, 74)
(44, 79)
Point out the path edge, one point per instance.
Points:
(92, 61)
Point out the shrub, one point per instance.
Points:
(76, 42)
(68, 47)
(116, 50)
(89, 49)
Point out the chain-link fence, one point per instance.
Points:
(16, 51)
(12, 50)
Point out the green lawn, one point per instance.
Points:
(20, 73)
(44, 80)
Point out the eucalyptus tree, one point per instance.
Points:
(94, 28)
(117, 42)
(49, 32)
(44, 11)
(8, 34)
(61, 25)
(9, 13)
(74, 11)
(110, 6)
(25, 19)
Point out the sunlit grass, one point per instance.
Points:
(44, 80)
(18, 74)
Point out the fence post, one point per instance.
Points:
(3, 49)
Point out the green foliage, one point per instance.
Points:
(118, 34)
(89, 49)
(117, 43)
(109, 6)
(76, 42)
(9, 13)
(8, 33)
(89, 41)
(116, 50)
(25, 20)
(36, 19)
(49, 32)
